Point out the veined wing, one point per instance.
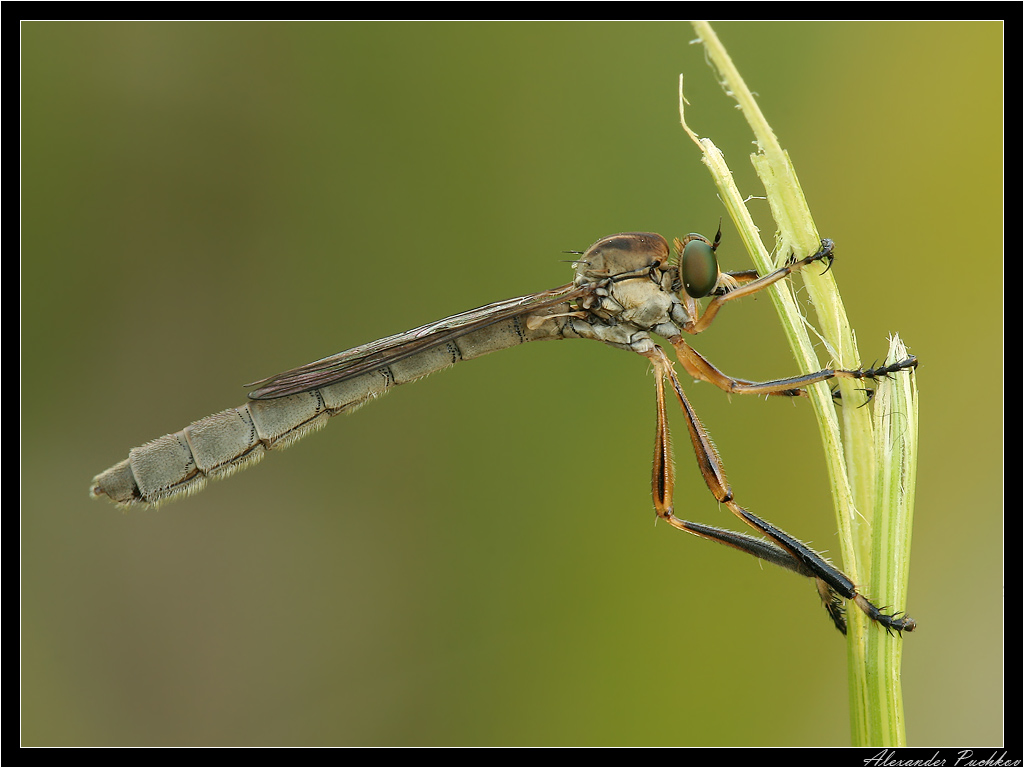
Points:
(383, 352)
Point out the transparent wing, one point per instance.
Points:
(383, 352)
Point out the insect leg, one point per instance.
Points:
(701, 368)
(783, 550)
(701, 322)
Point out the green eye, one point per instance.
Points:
(699, 269)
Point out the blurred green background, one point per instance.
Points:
(473, 560)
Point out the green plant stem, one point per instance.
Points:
(851, 454)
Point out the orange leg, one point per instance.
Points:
(746, 287)
(700, 368)
(781, 549)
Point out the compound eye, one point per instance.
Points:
(699, 269)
